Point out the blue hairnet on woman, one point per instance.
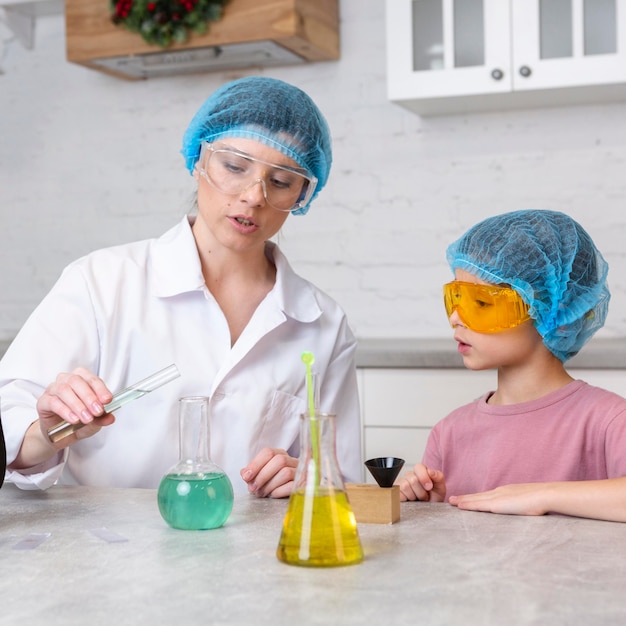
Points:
(214, 295)
(272, 112)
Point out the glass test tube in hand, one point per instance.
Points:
(156, 380)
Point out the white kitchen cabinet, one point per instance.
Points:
(20, 16)
(450, 56)
(400, 406)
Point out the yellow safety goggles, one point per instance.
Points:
(485, 308)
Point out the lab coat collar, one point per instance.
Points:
(294, 295)
(176, 263)
(177, 269)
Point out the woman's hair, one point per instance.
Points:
(266, 110)
(552, 262)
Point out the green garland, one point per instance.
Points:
(163, 22)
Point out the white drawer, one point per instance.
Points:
(421, 397)
(405, 443)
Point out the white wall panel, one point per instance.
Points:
(87, 161)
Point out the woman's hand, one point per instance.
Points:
(423, 484)
(75, 397)
(270, 473)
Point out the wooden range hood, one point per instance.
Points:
(251, 33)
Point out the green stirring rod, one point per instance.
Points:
(308, 359)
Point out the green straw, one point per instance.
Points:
(308, 359)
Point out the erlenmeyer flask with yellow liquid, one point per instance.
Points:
(319, 528)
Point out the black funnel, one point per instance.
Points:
(385, 469)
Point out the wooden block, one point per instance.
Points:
(372, 504)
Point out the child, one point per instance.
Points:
(530, 291)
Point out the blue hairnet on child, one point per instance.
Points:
(551, 261)
(270, 111)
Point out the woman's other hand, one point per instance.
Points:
(270, 473)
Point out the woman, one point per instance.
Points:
(213, 296)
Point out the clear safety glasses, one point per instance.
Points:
(232, 172)
(485, 308)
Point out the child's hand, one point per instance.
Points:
(422, 483)
(521, 499)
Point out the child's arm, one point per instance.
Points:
(423, 484)
(597, 499)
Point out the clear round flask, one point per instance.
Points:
(319, 528)
(195, 494)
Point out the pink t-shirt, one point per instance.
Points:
(575, 433)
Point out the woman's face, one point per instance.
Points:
(244, 220)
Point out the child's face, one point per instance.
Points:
(492, 350)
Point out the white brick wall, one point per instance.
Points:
(88, 161)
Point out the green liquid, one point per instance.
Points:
(319, 531)
(195, 501)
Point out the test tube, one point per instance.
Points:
(64, 429)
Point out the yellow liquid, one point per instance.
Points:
(319, 531)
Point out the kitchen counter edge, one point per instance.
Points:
(441, 353)
(605, 353)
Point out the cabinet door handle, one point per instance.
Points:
(497, 74)
(525, 71)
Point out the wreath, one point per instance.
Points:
(163, 22)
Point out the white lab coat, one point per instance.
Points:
(127, 311)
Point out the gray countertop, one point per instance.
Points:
(437, 566)
(441, 353)
(4, 344)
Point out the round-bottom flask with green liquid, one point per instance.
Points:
(195, 494)
(319, 528)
